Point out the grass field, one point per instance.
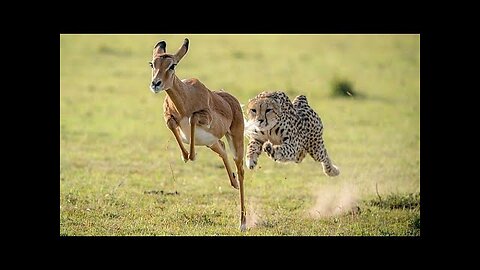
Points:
(121, 171)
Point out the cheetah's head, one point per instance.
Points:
(262, 112)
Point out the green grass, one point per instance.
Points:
(121, 171)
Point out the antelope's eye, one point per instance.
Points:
(151, 64)
(253, 111)
(172, 67)
(268, 110)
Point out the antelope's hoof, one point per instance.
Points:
(185, 157)
(192, 156)
(234, 181)
(235, 184)
(243, 227)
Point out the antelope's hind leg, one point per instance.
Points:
(237, 143)
(219, 148)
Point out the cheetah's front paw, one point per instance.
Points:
(251, 163)
(268, 148)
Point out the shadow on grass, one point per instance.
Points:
(343, 88)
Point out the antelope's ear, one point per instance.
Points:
(182, 51)
(160, 47)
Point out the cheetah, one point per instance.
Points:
(285, 131)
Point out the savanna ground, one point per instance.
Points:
(121, 171)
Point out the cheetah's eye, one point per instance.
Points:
(268, 110)
(253, 111)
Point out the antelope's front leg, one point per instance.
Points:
(173, 125)
(254, 149)
(193, 122)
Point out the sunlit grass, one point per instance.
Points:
(115, 147)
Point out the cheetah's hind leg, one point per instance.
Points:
(330, 169)
(320, 154)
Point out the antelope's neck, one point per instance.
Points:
(178, 95)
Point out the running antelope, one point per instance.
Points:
(198, 116)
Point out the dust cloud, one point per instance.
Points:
(334, 201)
(253, 218)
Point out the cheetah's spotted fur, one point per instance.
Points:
(297, 131)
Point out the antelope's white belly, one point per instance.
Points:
(202, 136)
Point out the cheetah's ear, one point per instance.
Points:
(277, 106)
(250, 101)
(278, 100)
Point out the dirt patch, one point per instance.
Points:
(160, 192)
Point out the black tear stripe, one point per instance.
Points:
(266, 120)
